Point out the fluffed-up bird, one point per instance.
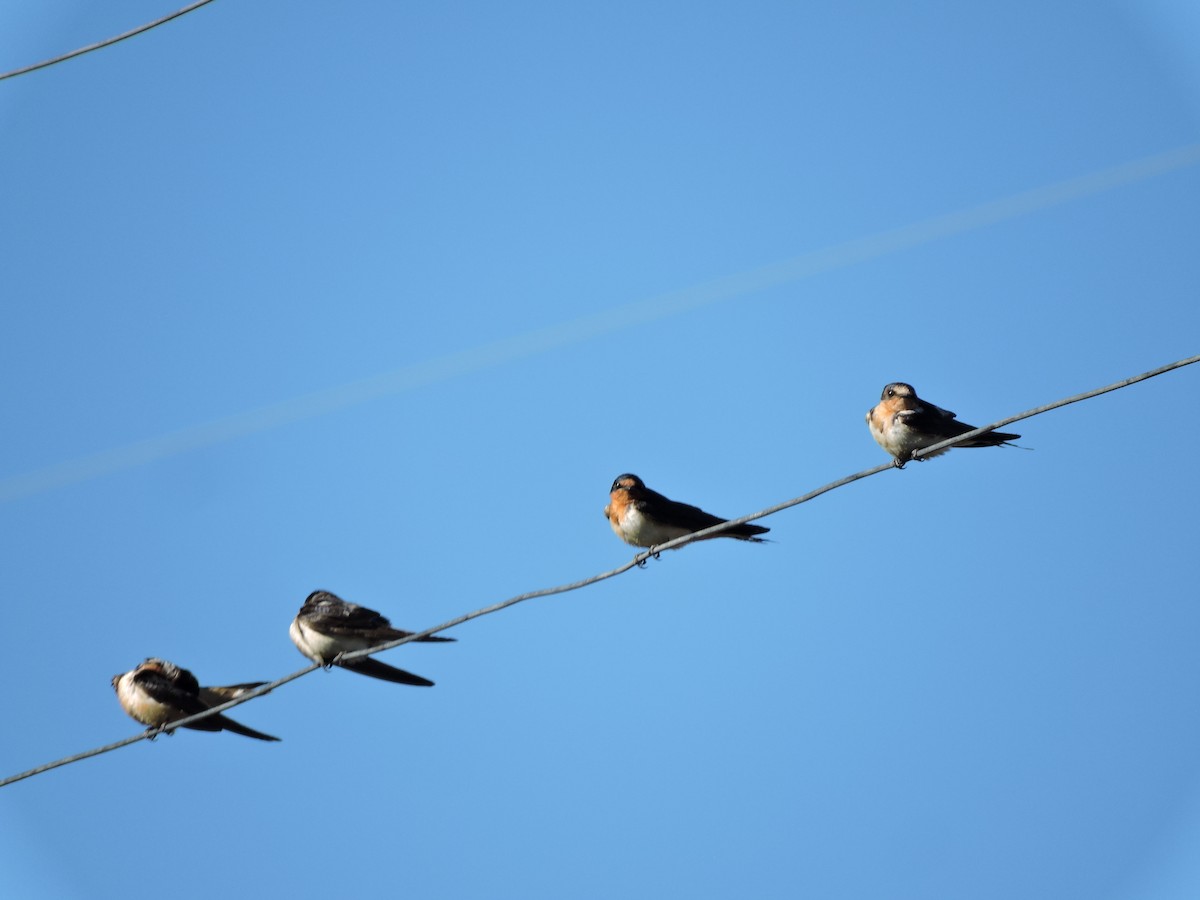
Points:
(327, 626)
(645, 518)
(902, 423)
(157, 693)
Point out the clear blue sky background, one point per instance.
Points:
(973, 678)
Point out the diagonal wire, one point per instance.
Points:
(107, 42)
(638, 561)
(1038, 410)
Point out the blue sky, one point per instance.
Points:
(371, 299)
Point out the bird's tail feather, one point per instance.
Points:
(384, 672)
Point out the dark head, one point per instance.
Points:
(625, 482)
(319, 598)
(898, 389)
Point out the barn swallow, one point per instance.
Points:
(157, 693)
(902, 423)
(645, 518)
(328, 626)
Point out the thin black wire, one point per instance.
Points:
(638, 561)
(105, 43)
(1038, 410)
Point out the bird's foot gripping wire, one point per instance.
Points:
(646, 555)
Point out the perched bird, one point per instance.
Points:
(327, 626)
(901, 423)
(645, 518)
(157, 693)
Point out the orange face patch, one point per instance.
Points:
(618, 504)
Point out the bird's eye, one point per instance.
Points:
(890, 392)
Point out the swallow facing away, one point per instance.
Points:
(157, 693)
(645, 518)
(901, 423)
(328, 626)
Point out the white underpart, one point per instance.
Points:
(321, 648)
(141, 706)
(898, 439)
(640, 531)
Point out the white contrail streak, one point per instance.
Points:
(509, 349)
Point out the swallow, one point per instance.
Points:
(645, 518)
(901, 423)
(327, 626)
(157, 693)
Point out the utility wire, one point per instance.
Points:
(638, 561)
(105, 43)
(1038, 410)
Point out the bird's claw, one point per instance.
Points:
(652, 552)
